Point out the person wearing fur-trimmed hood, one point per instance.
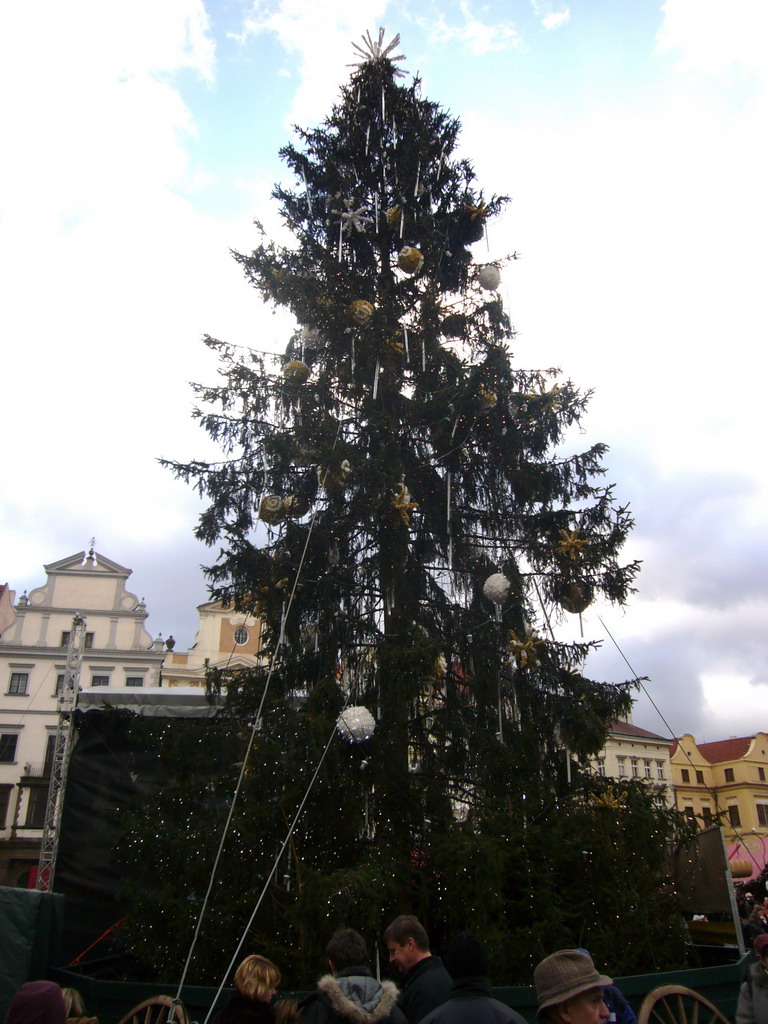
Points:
(350, 994)
(753, 995)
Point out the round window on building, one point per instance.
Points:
(241, 636)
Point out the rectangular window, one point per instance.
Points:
(65, 639)
(706, 813)
(762, 815)
(659, 769)
(99, 680)
(8, 741)
(733, 815)
(688, 812)
(647, 769)
(729, 774)
(18, 684)
(601, 766)
(684, 775)
(134, 681)
(38, 798)
(761, 774)
(622, 767)
(700, 778)
(5, 799)
(50, 747)
(633, 764)
(59, 684)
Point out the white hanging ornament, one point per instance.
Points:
(353, 219)
(489, 277)
(496, 588)
(356, 724)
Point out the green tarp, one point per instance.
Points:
(30, 938)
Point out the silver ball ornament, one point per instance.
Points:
(489, 277)
(356, 724)
(496, 588)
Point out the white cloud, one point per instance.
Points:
(318, 37)
(95, 124)
(551, 16)
(481, 37)
(109, 275)
(712, 37)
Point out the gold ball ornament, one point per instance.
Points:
(333, 481)
(395, 343)
(576, 598)
(295, 506)
(296, 371)
(394, 215)
(271, 509)
(360, 312)
(410, 260)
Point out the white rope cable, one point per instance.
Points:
(254, 730)
(271, 874)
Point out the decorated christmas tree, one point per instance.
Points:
(398, 505)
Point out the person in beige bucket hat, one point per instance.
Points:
(569, 989)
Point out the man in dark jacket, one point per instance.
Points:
(426, 982)
(350, 995)
(470, 1000)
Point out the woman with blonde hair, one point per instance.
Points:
(256, 981)
(73, 1004)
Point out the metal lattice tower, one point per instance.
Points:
(60, 762)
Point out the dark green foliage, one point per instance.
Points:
(418, 460)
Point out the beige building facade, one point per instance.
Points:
(631, 752)
(119, 654)
(225, 639)
(726, 777)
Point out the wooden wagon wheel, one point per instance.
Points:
(676, 1004)
(155, 1011)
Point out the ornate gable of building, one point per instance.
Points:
(86, 563)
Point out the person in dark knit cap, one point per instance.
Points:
(37, 1002)
(470, 1000)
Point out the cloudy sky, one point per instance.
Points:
(140, 141)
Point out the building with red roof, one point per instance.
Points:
(725, 778)
(632, 752)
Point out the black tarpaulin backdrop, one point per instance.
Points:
(109, 767)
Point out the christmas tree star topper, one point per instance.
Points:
(373, 51)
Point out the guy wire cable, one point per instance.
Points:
(271, 874)
(254, 729)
